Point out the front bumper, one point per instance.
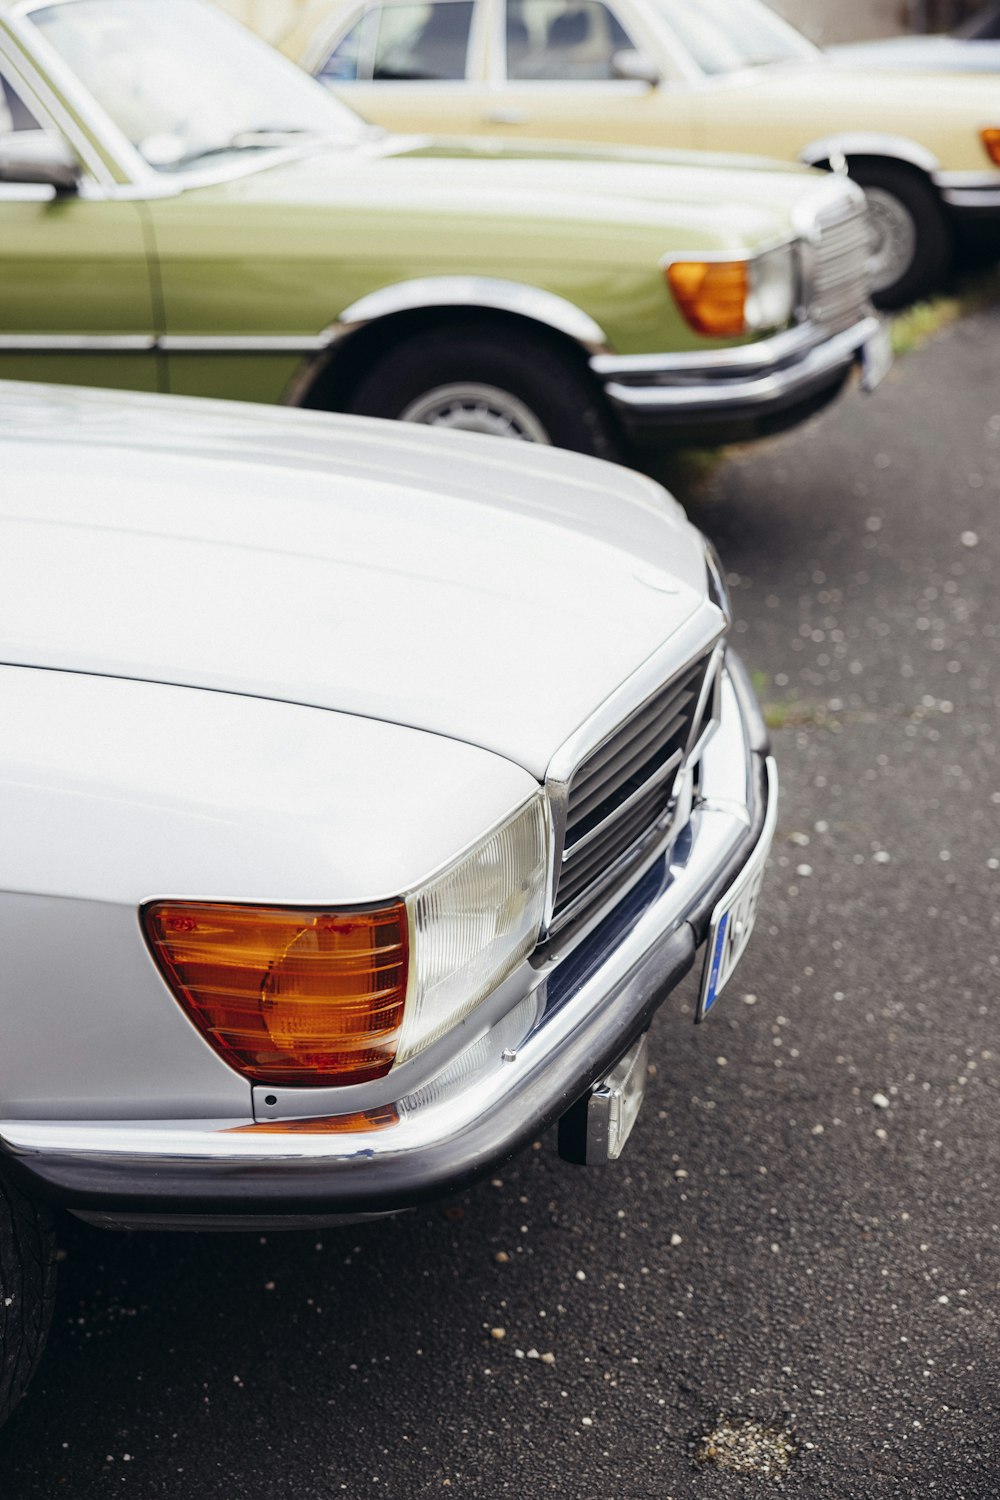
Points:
(728, 395)
(578, 1015)
(971, 196)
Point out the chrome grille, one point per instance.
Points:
(623, 792)
(840, 286)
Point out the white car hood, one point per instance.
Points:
(489, 592)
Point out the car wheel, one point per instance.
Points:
(27, 1290)
(493, 381)
(911, 248)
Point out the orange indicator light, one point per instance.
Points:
(711, 294)
(294, 997)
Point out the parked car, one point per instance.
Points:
(182, 209)
(364, 792)
(973, 47)
(705, 74)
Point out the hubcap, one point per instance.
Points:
(469, 407)
(893, 244)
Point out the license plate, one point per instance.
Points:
(733, 918)
(876, 358)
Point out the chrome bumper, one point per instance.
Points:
(578, 1015)
(755, 387)
(972, 195)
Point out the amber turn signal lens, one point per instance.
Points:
(367, 1119)
(288, 997)
(991, 140)
(712, 295)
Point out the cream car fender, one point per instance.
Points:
(850, 143)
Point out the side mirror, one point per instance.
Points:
(38, 156)
(635, 67)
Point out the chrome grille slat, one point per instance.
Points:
(600, 856)
(660, 775)
(650, 753)
(840, 267)
(623, 791)
(649, 714)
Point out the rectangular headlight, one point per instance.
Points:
(771, 294)
(473, 924)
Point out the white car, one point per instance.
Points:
(364, 791)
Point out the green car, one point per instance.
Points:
(182, 210)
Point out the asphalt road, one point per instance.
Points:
(800, 1247)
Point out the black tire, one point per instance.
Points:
(27, 1290)
(902, 192)
(557, 396)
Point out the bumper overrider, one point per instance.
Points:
(726, 395)
(577, 1016)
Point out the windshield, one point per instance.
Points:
(724, 36)
(183, 82)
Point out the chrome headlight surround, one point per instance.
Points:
(772, 297)
(473, 924)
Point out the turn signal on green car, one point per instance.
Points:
(727, 298)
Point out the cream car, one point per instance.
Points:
(705, 74)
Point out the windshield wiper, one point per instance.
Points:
(259, 139)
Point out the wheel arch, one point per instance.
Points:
(848, 144)
(368, 328)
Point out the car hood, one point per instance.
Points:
(423, 180)
(467, 586)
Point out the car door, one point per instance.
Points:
(409, 64)
(77, 305)
(558, 78)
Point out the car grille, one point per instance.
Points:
(840, 285)
(621, 797)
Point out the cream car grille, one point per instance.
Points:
(622, 796)
(840, 287)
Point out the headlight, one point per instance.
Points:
(771, 295)
(312, 996)
(990, 138)
(727, 298)
(473, 924)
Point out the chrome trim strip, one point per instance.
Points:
(477, 291)
(503, 1066)
(141, 343)
(77, 343)
(249, 343)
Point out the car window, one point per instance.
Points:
(726, 36)
(184, 83)
(423, 41)
(14, 113)
(563, 39)
(351, 57)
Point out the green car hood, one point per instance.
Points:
(429, 189)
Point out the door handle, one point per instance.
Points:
(507, 116)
